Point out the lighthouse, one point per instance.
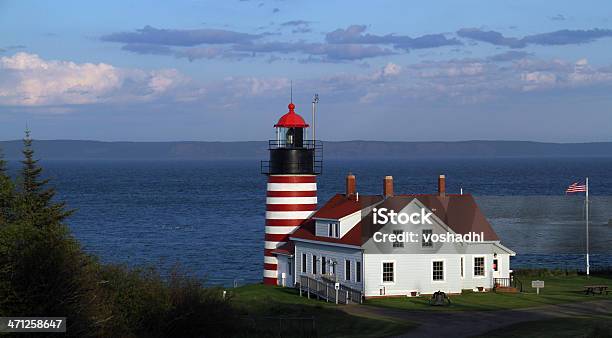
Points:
(292, 169)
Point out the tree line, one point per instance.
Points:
(45, 272)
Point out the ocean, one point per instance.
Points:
(208, 216)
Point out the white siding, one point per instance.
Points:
(284, 264)
(322, 227)
(413, 262)
(413, 272)
(348, 222)
(337, 254)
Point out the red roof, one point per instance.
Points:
(459, 212)
(291, 119)
(340, 206)
(337, 207)
(285, 249)
(307, 231)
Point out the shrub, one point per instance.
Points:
(43, 272)
(144, 304)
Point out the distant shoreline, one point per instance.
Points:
(204, 150)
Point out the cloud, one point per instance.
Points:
(354, 34)
(537, 80)
(391, 69)
(523, 75)
(465, 81)
(180, 37)
(252, 86)
(299, 26)
(510, 55)
(301, 30)
(322, 51)
(214, 52)
(296, 23)
(145, 48)
(560, 37)
(568, 37)
(451, 69)
(54, 86)
(275, 10)
(327, 52)
(491, 37)
(193, 53)
(213, 43)
(28, 80)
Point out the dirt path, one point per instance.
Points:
(470, 323)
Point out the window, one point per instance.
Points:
(289, 136)
(323, 261)
(479, 266)
(437, 273)
(358, 272)
(347, 270)
(495, 265)
(426, 243)
(334, 230)
(387, 273)
(462, 267)
(304, 263)
(314, 264)
(332, 267)
(289, 270)
(397, 244)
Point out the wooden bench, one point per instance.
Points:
(596, 289)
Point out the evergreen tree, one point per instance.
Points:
(35, 199)
(7, 193)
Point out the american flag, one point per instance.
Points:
(575, 187)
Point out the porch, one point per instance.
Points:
(328, 290)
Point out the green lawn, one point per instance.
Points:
(558, 289)
(557, 328)
(257, 301)
(262, 306)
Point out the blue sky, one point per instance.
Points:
(384, 70)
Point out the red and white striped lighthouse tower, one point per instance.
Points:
(292, 185)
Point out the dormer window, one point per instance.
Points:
(333, 230)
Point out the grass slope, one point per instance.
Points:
(265, 304)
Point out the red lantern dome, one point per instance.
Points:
(291, 119)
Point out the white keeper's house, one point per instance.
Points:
(336, 241)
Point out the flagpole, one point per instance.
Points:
(587, 227)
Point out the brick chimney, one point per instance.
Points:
(388, 186)
(350, 185)
(442, 186)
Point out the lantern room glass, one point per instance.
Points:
(290, 137)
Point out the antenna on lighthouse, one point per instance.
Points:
(315, 100)
(291, 92)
